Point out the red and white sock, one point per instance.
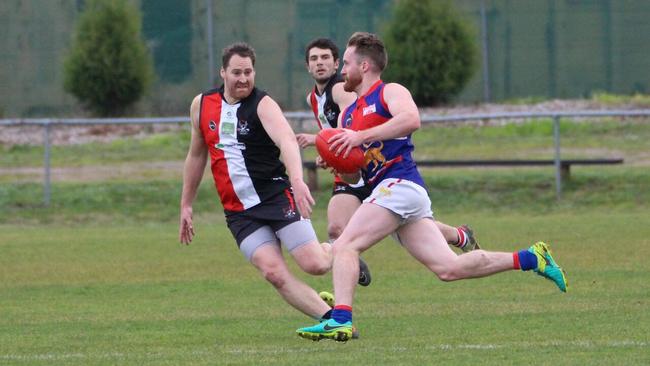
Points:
(462, 238)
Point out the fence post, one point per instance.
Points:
(46, 164)
(558, 167)
(211, 66)
(485, 59)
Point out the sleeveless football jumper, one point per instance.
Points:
(325, 109)
(385, 159)
(245, 162)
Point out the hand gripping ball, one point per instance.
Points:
(351, 164)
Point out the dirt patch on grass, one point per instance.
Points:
(95, 173)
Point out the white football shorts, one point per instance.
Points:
(406, 199)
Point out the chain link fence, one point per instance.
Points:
(530, 48)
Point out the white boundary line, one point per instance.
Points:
(291, 350)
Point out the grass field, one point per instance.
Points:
(129, 294)
(98, 278)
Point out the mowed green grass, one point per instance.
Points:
(98, 277)
(130, 294)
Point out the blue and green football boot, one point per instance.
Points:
(328, 297)
(327, 329)
(546, 266)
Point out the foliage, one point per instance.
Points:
(109, 67)
(431, 50)
(637, 99)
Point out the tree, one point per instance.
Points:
(109, 67)
(432, 50)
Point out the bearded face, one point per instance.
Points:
(239, 77)
(352, 81)
(351, 72)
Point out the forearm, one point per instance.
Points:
(291, 159)
(192, 175)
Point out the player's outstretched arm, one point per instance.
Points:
(280, 131)
(306, 139)
(192, 173)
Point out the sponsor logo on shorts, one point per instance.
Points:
(289, 213)
(212, 125)
(385, 192)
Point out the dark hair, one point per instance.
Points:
(370, 46)
(324, 43)
(240, 49)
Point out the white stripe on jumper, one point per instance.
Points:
(232, 149)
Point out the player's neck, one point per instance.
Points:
(230, 99)
(367, 83)
(320, 87)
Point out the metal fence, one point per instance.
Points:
(528, 48)
(299, 117)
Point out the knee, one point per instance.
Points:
(316, 267)
(275, 277)
(338, 248)
(348, 250)
(334, 230)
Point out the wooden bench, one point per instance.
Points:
(565, 165)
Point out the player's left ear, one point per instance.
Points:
(365, 65)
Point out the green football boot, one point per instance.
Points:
(546, 266)
(327, 329)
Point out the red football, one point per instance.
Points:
(351, 164)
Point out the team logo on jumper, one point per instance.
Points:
(323, 121)
(374, 155)
(242, 128)
(331, 115)
(348, 121)
(369, 109)
(212, 125)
